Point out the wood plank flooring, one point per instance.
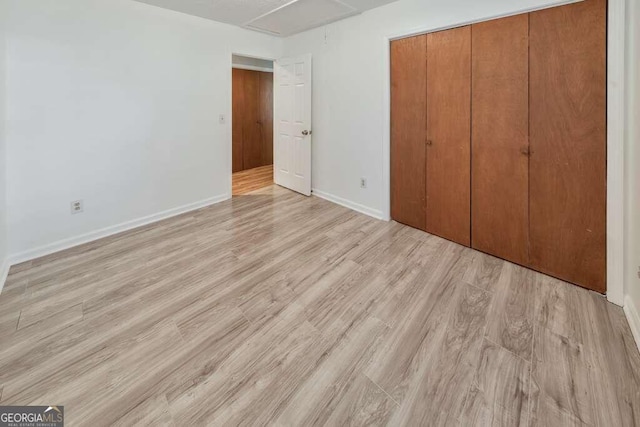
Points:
(277, 309)
(249, 180)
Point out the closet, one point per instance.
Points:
(498, 138)
(252, 119)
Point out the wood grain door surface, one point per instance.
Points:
(237, 112)
(568, 142)
(448, 134)
(408, 127)
(252, 119)
(252, 129)
(266, 117)
(500, 138)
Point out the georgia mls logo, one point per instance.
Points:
(31, 416)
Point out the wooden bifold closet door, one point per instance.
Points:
(449, 134)
(500, 164)
(568, 142)
(266, 117)
(408, 127)
(430, 133)
(252, 119)
(251, 127)
(237, 98)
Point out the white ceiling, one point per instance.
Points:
(278, 17)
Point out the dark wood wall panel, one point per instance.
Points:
(568, 142)
(237, 106)
(408, 125)
(449, 134)
(252, 119)
(500, 138)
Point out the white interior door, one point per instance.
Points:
(292, 130)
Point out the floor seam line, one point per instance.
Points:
(383, 390)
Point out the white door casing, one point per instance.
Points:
(292, 127)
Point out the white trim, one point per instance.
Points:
(616, 118)
(615, 139)
(631, 311)
(252, 68)
(348, 204)
(4, 273)
(110, 231)
(230, 127)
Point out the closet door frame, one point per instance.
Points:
(616, 110)
(224, 119)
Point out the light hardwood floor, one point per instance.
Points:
(277, 309)
(250, 180)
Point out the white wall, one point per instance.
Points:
(116, 103)
(3, 160)
(632, 168)
(349, 80)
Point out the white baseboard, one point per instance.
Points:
(633, 317)
(4, 273)
(377, 214)
(109, 231)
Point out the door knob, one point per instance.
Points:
(306, 132)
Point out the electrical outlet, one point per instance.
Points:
(221, 119)
(363, 182)
(77, 207)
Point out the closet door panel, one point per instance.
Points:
(568, 142)
(238, 118)
(252, 130)
(408, 124)
(449, 134)
(266, 117)
(500, 138)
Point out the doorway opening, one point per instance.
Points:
(252, 110)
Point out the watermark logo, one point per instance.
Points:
(31, 416)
